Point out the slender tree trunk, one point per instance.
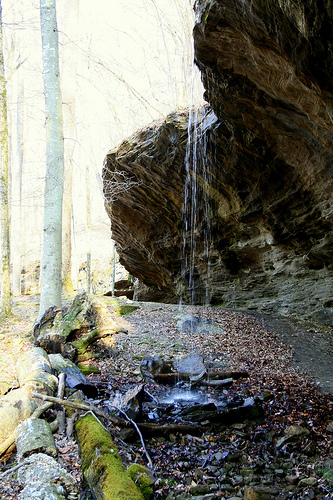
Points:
(5, 308)
(51, 283)
(67, 228)
(88, 209)
(17, 249)
(70, 59)
(113, 266)
(15, 95)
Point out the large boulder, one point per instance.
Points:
(263, 234)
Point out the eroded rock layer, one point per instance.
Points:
(267, 69)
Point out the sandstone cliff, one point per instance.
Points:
(267, 67)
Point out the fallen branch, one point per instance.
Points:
(61, 385)
(70, 425)
(80, 406)
(15, 468)
(61, 416)
(145, 428)
(150, 463)
(164, 430)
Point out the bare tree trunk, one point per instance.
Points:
(69, 64)
(17, 250)
(5, 308)
(113, 266)
(88, 209)
(67, 228)
(51, 283)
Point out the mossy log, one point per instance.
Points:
(104, 321)
(101, 464)
(143, 478)
(82, 344)
(85, 320)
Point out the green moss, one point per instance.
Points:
(87, 369)
(84, 342)
(142, 477)
(101, 463)
(121, 310)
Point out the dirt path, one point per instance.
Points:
(312, 347)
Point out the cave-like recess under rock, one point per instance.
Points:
(267, 133)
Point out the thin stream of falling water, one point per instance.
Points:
(196, 237)
(196, 206)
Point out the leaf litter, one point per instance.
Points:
(238, 460)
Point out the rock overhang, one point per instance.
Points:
(270, 159)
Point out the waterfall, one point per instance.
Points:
(196, 205)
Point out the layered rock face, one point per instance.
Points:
(263, 226)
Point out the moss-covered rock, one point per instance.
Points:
(123, 309)
(101, 464)
(87, 369)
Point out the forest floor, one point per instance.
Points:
(290, 373)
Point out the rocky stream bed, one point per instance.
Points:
(281, 448)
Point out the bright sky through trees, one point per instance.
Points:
(134, 63)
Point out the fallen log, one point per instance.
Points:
(150, 430)
(34, 435)
(220, 375)
(81, 406)
(15, 407)
(87, 319)
(224, 416)
(226, 382)
(74, 378)
(42, 477)
(174, 377)
(8, 443)
(34, 372)
(34, 360)
(101, 464)
(19, 399)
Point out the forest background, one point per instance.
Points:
(123, 64)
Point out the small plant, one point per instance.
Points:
(325, 470)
